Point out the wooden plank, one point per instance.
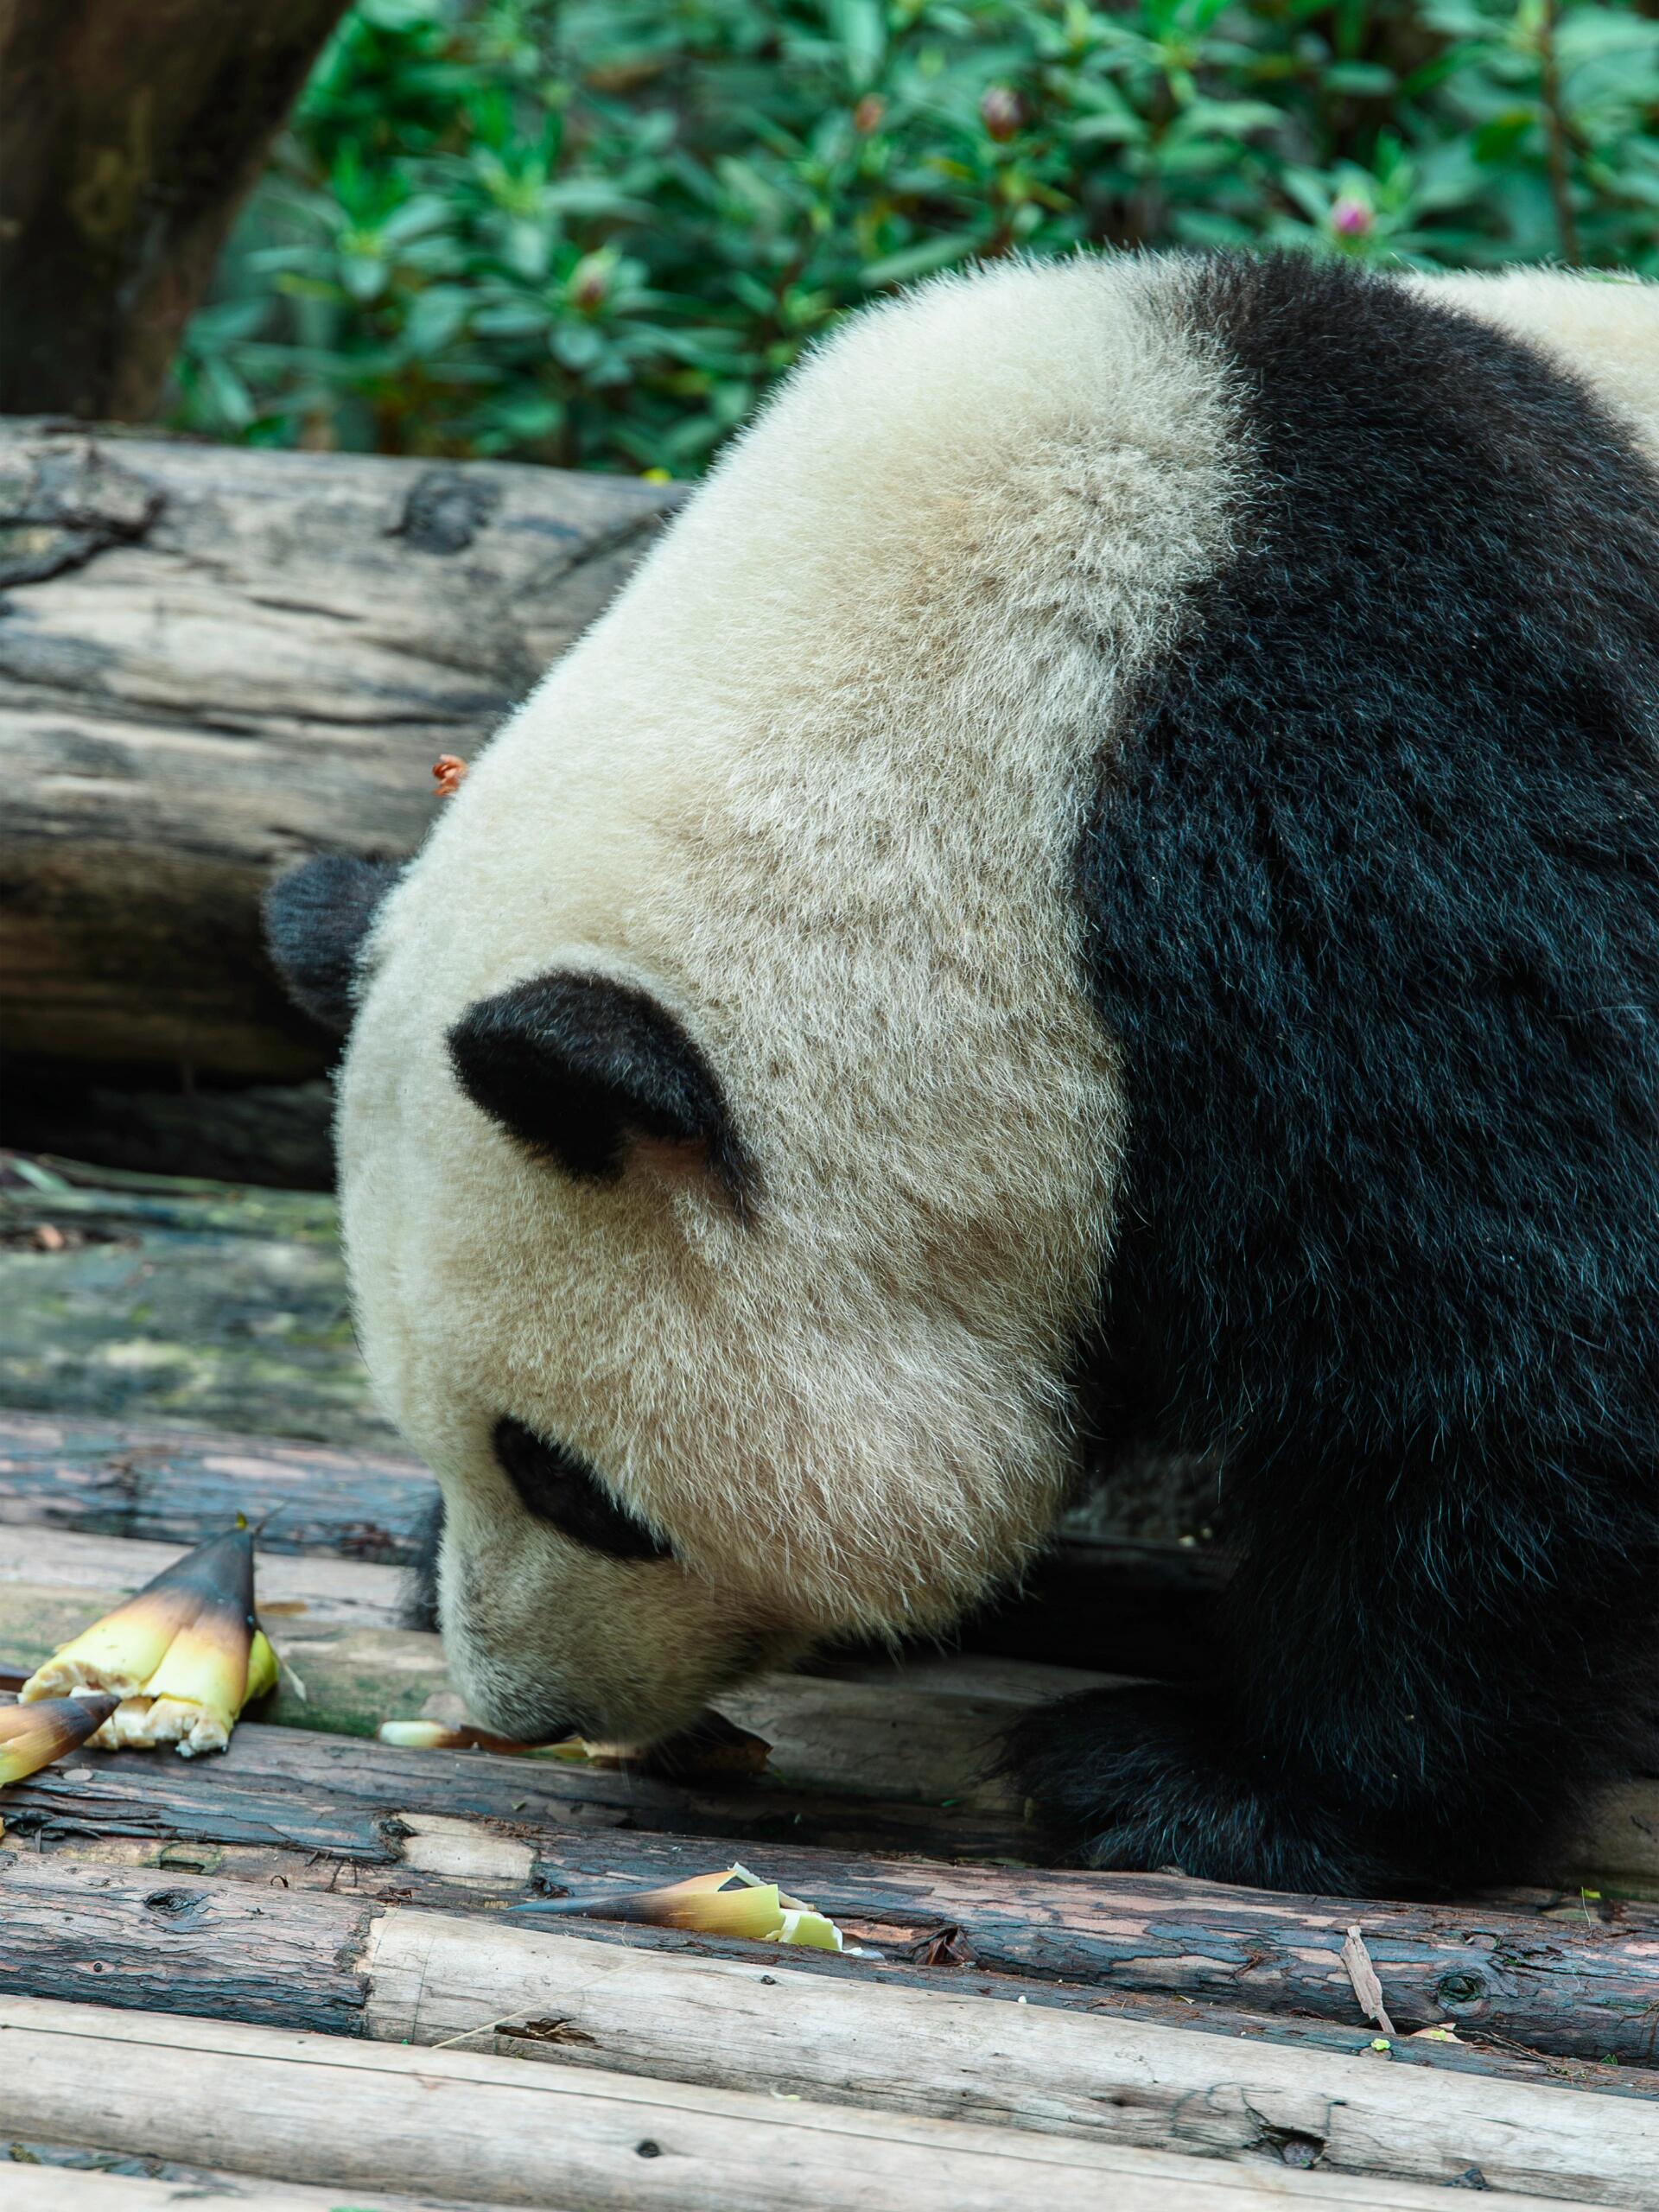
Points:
(313, 2109)
(223, 1950)
(226, 1306)
(294, 1595)
(1576, 1986)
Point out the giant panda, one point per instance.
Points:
(1101, 878)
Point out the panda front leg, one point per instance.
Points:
(1423, 1668)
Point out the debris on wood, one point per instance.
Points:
(449, 772)
(180, 1658)
(1357, 1962)
(714, 1746)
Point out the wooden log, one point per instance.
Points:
(168, 1485)
(223, 1306)
(280, 1135)
(215, 659)
(133, 130)
(219, 1950)
(316, 2109)
(1577, 1983)
(37, 2183)
(474, 1868)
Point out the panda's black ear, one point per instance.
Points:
(317, 917)
(583, 1069)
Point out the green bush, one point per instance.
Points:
(592, 232)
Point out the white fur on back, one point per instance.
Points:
(817, 780)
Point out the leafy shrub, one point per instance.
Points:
(592, 232)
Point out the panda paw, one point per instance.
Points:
(1144, 1778)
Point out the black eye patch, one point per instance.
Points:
(564, 1491)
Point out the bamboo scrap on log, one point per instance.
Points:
(215, 659)
(222, 1951)
(1578, 1984)
(317, 2109)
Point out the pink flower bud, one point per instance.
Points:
(1352, 218)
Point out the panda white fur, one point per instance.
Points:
(1102, 876)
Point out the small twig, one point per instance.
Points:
(1555, 133)
(1356, 1960)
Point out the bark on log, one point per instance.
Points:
(219, 1950)
(133, 130)
(215, 660)
(1571, 1984)
(315, 2109)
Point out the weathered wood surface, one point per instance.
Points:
(318, 2109)
(169, 1485)
(476, 1869)
(221, 1950)
(42, 2179)
(279, 1135)
(214, 660)
(1577, 1983)
(223, 1305)
(133, 130)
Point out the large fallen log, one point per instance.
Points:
(214, 660)
(449, 2123)
(1577, 1983)
(222, 1950)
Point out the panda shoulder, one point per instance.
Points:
(1603, 328)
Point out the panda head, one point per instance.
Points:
(727, 1142)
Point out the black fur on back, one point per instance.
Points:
(1372, 903)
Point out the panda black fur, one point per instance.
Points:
(1103, 879)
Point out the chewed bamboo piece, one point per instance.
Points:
(708, 1905)
(715, 1746)
(32, 1736)
(181, 1657)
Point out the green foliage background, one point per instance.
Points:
(592, 232)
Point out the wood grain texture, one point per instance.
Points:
(315, 2109)
(42, 2184)
(1577, 1982)
(225, 1951)
(214, 660)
